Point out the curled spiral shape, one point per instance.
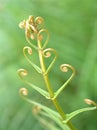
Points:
(31, 20)
(47, 53)
(22, 72)
(65, 67)
(40, 37)
(39, 21)
(29, 50)
(22, 24)
(23, 91)
(32, 26)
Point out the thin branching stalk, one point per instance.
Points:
(33, 30)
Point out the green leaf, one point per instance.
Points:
(75, 113)
(53, 115)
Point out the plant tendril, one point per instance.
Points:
(34, 30)
(40, 37)
(22, 73)
(64, 68)
(47, 54)
(23, 92)
(29, 50)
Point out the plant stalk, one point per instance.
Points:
(48, 86)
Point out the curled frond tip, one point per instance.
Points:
(22, 72)
(65, 67)
(39, 20)
(22, 24)
(90, 102)
(23, 91)
(29, 50)
(31, 26)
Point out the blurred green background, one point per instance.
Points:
(73, 33)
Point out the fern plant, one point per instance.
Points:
(34, 31)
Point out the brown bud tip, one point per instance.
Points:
(88, 101)
(36, 109)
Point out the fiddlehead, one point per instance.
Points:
(39, 22)
(32, 27)
(22, 73)
(40, 38)
(64, 68)
(29, 50)
(33, 30)
(47, 53)
(23, 92)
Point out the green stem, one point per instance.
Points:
(48, 85)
